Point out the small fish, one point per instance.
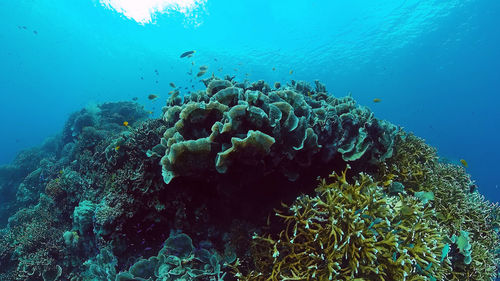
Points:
(150, 112)
(172, 84)
(464, 163)
(35, 32)
(215, 59)
(152, 97)
(274, 68)
(472, 188)
(156, 81)
(201, 73)
(117, 148)
(220, 69)
(291, 71)
(187, 54)
(192, 63)
(135, 98)
(156, 71)
(203, 67)
(125, 123)
(142, 78)
(277, 85)
(376, 100)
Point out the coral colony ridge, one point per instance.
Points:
(242, 181)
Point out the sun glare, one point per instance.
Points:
(144, 11)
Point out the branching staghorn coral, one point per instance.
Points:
(350, 232)
(458, 206)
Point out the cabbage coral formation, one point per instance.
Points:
(351, 232)
(233, 125)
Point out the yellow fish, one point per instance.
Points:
(125, 124)
(291, 71)
(376, 100)
(117, 148)
(464, 163)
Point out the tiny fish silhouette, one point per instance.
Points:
(187, 54)
(201, 73)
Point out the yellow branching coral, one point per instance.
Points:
(350, 232)
(457, 205)
(411, 163)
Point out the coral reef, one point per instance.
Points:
(233, 126)
(120, 196)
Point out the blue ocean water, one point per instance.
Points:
(435, 65)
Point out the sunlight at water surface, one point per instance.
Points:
(144, 11)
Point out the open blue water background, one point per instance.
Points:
(434, 64)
